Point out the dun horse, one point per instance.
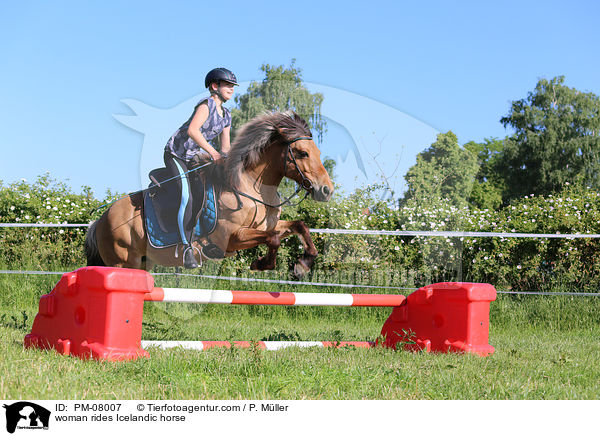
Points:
(267, 149)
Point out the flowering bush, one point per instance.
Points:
(45, 201)
(519, 263)
(540, 262)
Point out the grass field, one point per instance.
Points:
(546, 348)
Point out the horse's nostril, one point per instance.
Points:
(325, 191)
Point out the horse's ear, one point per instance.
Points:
(279, 133)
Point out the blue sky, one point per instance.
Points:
(393, 74)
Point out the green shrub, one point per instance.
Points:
(518, 263)
(540, 263)
(45, 201)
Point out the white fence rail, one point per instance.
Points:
(288, 282)
(448, 234)
(441, 234)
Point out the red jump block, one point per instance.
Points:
(94, 312)
(444, 317)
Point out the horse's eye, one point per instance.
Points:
(301, 154)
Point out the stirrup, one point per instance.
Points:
(189, 262)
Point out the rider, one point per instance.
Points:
(193, 143)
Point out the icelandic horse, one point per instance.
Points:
(266, 149)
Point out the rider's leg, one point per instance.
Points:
(197, 188)
(177, 167)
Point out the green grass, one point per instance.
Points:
(546, 348)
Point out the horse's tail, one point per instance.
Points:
(91, 247)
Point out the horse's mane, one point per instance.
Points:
(253, 137)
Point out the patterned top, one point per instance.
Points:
(184, 147)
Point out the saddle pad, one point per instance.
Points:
(161, 237)
(208, 216)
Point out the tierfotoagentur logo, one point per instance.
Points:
(26, 415)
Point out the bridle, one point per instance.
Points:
(306, 184)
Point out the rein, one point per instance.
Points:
(153, 185)
(304, 185)
(286, 201)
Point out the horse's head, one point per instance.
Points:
(303, 165)
(276, 145)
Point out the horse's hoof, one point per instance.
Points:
(300, 269)
(258, 264)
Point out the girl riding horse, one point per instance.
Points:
(192, 144)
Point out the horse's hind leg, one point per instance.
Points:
(118, 245)
(122, 257)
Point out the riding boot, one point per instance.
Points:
(189, 261)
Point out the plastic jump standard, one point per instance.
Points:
(97, 312)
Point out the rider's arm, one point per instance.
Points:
(226, 140)
(198, 120)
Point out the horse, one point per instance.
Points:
(268, 148)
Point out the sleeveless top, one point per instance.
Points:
(184, 147)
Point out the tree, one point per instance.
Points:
(443, 172)
(281, 89)
(489, 185)
(556, 140)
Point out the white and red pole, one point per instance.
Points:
(212, 296)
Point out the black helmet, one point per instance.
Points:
(218, 74)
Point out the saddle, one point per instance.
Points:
(161, 204)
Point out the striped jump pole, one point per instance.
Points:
(211, 296)
(263, 345)
(97, 312)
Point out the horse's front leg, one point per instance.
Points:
(246, 238)
(306, 261)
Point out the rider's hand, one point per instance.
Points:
(197, 160)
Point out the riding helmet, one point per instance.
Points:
(218, 74)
